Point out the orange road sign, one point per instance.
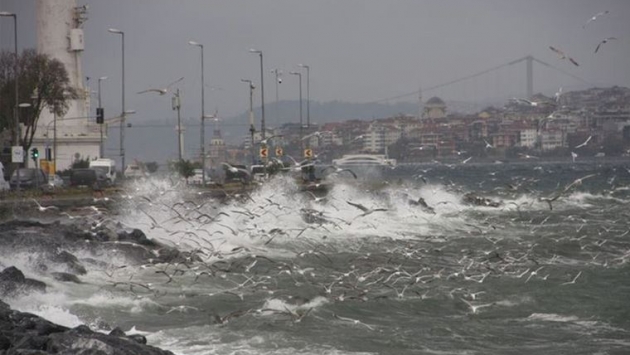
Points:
(264, 152)
(308, 153)
(279, 151)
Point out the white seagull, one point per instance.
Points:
(605, 40)
(366, 211)
(585, 142)
(595, 18)
(164, 90)
(562, 55)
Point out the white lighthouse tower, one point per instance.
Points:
(76, 135)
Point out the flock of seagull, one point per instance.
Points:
(462, 271)
(561, 54)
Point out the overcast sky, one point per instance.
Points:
(358, 50)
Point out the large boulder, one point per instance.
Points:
(24, 333)
(13, 282)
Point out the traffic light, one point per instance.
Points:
(100, 115)
(34, 154)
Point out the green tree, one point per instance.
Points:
(43, 83)
(185, 168)
(81, 163)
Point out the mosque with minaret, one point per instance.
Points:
(76, 135)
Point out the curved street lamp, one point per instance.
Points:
(122, 115)
(203, 115)
(301, 124)
(308, 95)
(262, 92)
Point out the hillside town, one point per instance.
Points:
(588, 123)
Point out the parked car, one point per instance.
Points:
(92, 178)
(135, 171)
(29, 178)
(55, 181)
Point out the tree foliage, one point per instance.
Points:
(185, 168)
(43, 82)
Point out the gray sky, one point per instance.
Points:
(358, 50)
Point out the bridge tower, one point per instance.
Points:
(529, 61)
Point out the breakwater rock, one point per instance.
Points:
(25, 333)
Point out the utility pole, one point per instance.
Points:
(176, 103)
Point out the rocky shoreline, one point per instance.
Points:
(56, 245)
(25, 333)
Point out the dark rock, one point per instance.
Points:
(28, 334)
(66, 277)
(480, 201)
(137, 236)
(70, 261)
(117, 332)
(12, 274)
(5, 342)
(13, 282)
(141, 339)
(82, 329)
(31, 342)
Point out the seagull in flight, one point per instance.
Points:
(525, 102)
(353, 321)
(558, 94)
(488, 145)
(595, 17)
(164, 90)
(234, 169)
(574, 156)
(527, 156)
(585, 142)
(366, 211)
(264, 141)
(339, 170)
(605, 40)
(564, 56)
(44, 209)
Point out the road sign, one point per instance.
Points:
(264, 152)
(17, 154)
(308, 153)
(279, 151)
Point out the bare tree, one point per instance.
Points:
(44, 83)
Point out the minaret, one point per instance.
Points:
(60, 35)
(420, 108)
(217, 145)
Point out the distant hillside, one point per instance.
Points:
(157, 141)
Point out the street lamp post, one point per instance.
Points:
(16, 120)
(203, 112)
(252, 129)
(308, 96)
(301, 124)
(122, 120)
(278, 73)
(177, 105)
(100, 106)
(262, 92)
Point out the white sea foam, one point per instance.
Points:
(208, 340)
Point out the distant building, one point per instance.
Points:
(434, 108)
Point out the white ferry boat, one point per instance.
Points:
(364, 160)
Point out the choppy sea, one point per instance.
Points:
(543, 271)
